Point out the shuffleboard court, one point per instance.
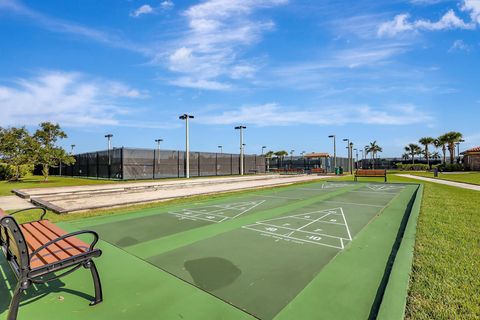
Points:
(261, 267)
(140, 228)
(306, 249)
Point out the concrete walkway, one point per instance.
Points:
(14, 203)
(439, 181)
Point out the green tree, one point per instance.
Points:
(435, 155)
(441, 142)
(16, 149)
(49, 155)
(426, 141)
(373, 148)
(451, 138)
(405, 156)
(413, 149)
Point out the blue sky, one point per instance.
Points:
(292, 71)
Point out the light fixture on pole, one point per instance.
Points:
(334, 150)
(351, 157)
(109, 138)
(241, 146)
(291, 154)
(221, 149)
(263, 149)
(185, 117)
(156, 157)
(356, 158)
(73, 147)
(458, 149)
(348, 147)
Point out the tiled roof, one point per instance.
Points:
(476, 149)
(317, 155)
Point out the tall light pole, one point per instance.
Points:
(348, 147)
(221, 149)
(73, 147)
(263, 149)
(109, 138)
(185, 117)
(334, 150)
(156, 157)
(241, 147)
(351, 157)
(361, 150)
(291, 154)
(458, 149)
(356, 157)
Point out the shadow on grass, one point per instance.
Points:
(8, 281)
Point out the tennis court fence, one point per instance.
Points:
(138, 164)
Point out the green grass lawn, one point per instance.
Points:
(37, 182)
(445, 282)
(468, 177)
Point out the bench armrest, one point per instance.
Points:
(28, 209)
(68, 235)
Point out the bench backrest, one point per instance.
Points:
(370, 172)
(13, 244)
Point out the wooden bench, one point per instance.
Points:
(36, 250)
(318, 171)
(369, 173)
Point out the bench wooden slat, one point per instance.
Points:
(42, 258)
(55, 249)
(67, 248)
(73, 241)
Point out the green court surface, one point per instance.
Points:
(318, 250)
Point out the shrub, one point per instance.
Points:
(412, 167)
(7, 172)
(449, 167)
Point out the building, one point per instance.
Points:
(471, 158)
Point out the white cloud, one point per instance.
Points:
(70, 98)
(188, 82)
(167, 5)
(218, 31)
(401, 24)
(271, 114)
(460, 45)
(144, 9)
(473, 8)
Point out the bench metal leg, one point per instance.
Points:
(13, 309)
(96, 282)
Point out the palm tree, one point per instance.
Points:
(373, 149)
(281, 154)
(451, 138)
(426, 141)
(405, 156)
(413, 149)
(441, 142)
(435, 155)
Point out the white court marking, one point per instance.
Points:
(217, 213)
(377, 187)
(277, 197)
(354, 203)
(308, 228)
(327, 186)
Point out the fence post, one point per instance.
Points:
(154, 163)
(198, 163)
(178, 164)
(97, 164)
(216, 164)
(121, 164)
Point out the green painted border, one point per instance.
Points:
(394, 298)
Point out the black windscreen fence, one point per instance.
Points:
(138, 164)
